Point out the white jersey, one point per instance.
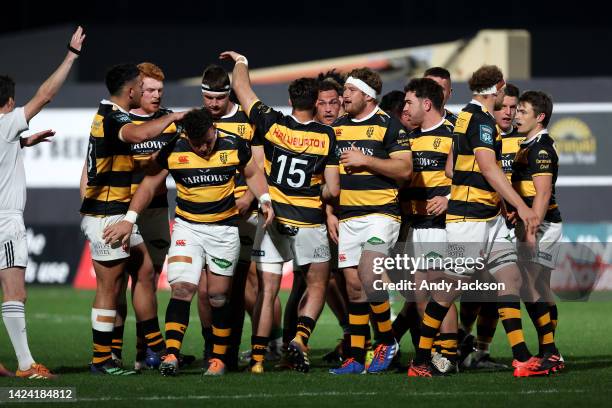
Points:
(12, 171)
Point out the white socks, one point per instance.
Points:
(13, 314)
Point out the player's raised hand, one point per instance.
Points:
(119, 232)
(231, 55)
(77, 39)
(37, 138)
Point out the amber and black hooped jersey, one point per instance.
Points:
(296, 155)
(472, 197)
(109, 164)
(205, 186)
(430, 149)
(511, 143)
(537, 157)
(450, 117)
(237, 122)
(142, 152)
(366, 193)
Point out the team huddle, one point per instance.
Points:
(341, 181)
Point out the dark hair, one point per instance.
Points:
(332, 75)
(303, 93)
(541, 102)
(368, 76)
(393, 102)
(215, 79)
(329, 84)
(429, 89)
(197, 122)
(119, 75)
(511, 90)
(7, 89)
(485, 77)
(438, 72)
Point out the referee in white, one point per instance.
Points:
(13, 245)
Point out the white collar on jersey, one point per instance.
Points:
(536, 136)
(508, 132)
(368, 116)
(107, 102)
(232, 112)
(434, 127)
(301, 123)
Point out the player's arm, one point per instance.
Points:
(37, 138)
(83, 181)
(52, 85)
(331, 189)
(132, 133)
(121, 231)
(333, 224)
(256, 180)
(241, 83)
(397, 167)
(543, 187)
(448, 168)
(497, 179)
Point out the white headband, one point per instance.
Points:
(217, 92)
(211, 93)
(493, 89)
(362, 86)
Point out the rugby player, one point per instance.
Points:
(301, 168)
(229, 115)
(479, 356)
(371, 165)
(106, 197)
(474, 225)
(443, 78)
(203, 164)
(534, 174)
(425, 199)
(393, 103)
(14, 258)
(153, 223)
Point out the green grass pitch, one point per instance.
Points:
(60, 337)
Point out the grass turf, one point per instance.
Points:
(60, 336)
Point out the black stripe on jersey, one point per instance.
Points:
(231, 221)
(113, 178)
(423, 193)
(428, 221)
(469, 210)
(366, 182)
(97, 207)
(304, 215)
(213, 207)
(472, 179)
(349, 211)
(312, 191)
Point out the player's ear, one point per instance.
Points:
(540, 118)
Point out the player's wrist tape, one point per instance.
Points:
(448, 197)
(242, 60)
(265, 199)
(362, 86)
(131, 216)
(73, 50)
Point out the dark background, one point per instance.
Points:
(567, 41)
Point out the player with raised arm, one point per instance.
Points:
(301, 168)
(205, 237)
(13, 260)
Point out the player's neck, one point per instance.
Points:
(302, 116)
(432, 120)
(534, 132)
(141, 112)
(123, 103)
(486, 101)
(370, 107)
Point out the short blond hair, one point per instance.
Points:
(150, 70)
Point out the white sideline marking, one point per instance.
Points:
(329, 394)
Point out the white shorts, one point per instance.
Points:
(279, 243)
(13, 242)
(154, 228)
(93, 228)
(354, 233)
(548, 241)
(247, 227)
(426, 244)
(488, 242)
(196, 245)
